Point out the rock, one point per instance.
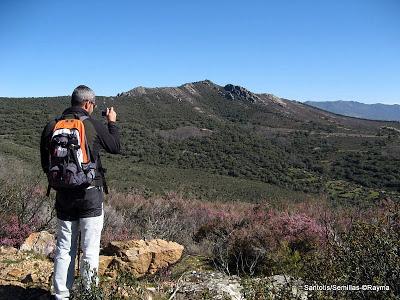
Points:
(17, 274)
(27, 276)
(140, 257)
(232, 92)
(229, 96)
(295, 285)
(41, 242)
(24, 268)
(165, 253)
(8, 250)
(215, 285)
(104, 263)
(282, 284)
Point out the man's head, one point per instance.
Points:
(84, 97)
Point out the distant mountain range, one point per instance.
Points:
(360, 110)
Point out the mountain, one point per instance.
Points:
(225, 142)
(360, 110)
(237, 104)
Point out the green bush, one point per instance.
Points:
(368, 254)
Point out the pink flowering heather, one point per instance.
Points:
(12, 232)
(298, 229)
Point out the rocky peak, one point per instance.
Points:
(235, 92)
(137, 91)
(204, 82)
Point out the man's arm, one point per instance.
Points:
(108, 137)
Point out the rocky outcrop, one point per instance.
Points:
(268, 98)
(282, 285)
(24, 275)
(21, 268)
(140, 257)
(104, 263)
(215, 285)
(235, 92)
(41, 242)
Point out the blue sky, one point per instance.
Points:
(302, 50)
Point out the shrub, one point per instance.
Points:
(24, 208)
(301, 232)
(245, 242)
(12, 232)
(116, 227)
(235, 248)
(368, 254)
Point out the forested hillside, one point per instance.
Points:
(226, 143)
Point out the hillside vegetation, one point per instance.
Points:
(226, 143)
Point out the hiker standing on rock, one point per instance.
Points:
(70, 156)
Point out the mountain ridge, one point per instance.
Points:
(376, 111)
(195, 92)
(189, 91)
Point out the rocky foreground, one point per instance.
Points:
(157, 270)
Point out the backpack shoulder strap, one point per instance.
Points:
(90, 134)
(58, 118)
(83, 118)
(89, 128)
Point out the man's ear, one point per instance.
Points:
(86, 106)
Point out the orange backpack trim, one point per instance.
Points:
(78, 125)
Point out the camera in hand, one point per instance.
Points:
(104, 112)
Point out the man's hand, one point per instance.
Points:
(111, 115)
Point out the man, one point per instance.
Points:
(81, 210)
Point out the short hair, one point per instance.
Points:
(81, 94)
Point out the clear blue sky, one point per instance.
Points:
(303, 50)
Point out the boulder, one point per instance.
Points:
(104, 263)
(41, 242)
(141, 257)
(215, 285)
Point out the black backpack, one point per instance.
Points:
(71, 165)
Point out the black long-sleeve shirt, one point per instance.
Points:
(72, 205)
